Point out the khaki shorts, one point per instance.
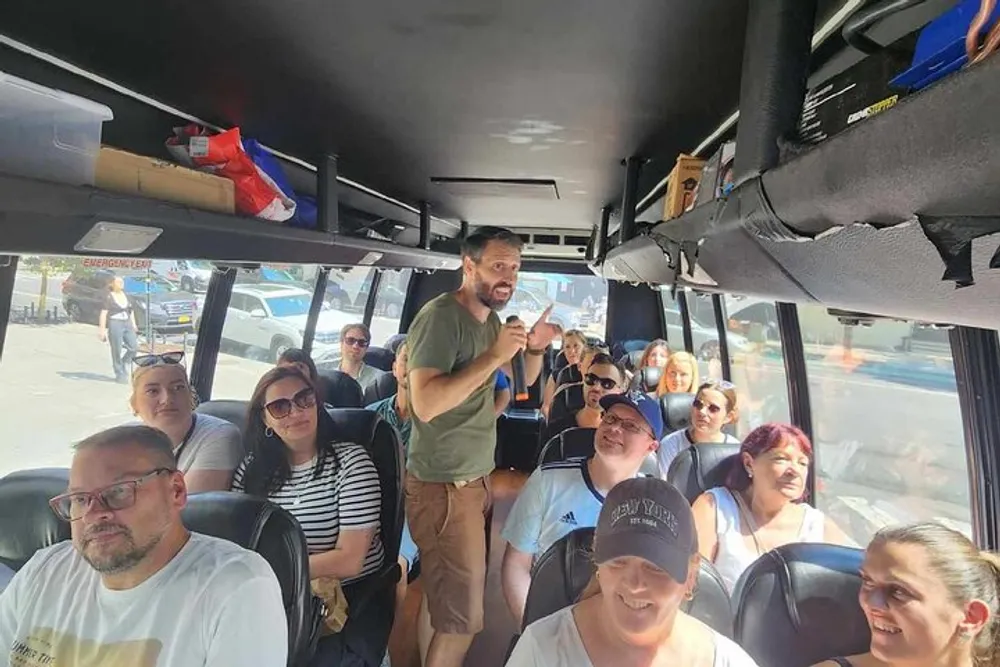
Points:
(448, 524)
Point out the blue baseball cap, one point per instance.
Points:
(644, 404)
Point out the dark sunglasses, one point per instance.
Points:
(167, 358)
(606, 383)
(356, 342)
(280, 408)
(698, 404)
(120, 496)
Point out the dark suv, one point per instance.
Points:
(170, 309)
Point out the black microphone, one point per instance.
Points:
(517, 367)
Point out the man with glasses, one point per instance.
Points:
(603, 377)
(135, 587)
(354, 342)
(563, 496)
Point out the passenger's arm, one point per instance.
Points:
(346, 559)
(250, 628)
(515, 575)
(832, 534)
(704, 522)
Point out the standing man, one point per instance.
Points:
(456, 344)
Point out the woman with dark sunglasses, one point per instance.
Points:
(297, 461)
(714, 407)
(207, 448)
(762, 504)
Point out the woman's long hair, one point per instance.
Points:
(679, 358)
(267, 467)
(659, 343)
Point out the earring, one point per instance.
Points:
(269, 432)
(749, 473)
(689, 595)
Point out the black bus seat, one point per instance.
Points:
(566, 402)
(676, 409)
(261, 526)
(27, 523)
(234, 412)
(573, 443)
(380, 358)
(568, 375)
(394, 341)
(632, 360)
(563, 571)
(798, 605)
(647, 379)
(381, 387)
(702, 467)
(340, 390)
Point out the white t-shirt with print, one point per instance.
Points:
(214, 604)
(554, 641)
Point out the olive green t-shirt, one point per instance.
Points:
(459, 444)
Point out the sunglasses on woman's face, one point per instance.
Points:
(356, 342)
(714, 409)
(606, 383)
(167, 358)
(280, 408)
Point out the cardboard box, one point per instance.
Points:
(120, 171)
(681, 188)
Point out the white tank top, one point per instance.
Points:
(732, 556)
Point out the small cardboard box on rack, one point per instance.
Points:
(682, 186)
(127, 173)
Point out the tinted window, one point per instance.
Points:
(578, 302)
(389, 305)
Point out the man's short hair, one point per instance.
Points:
(153, 440)
(602, 359)
(475, 243)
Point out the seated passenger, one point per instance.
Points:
(603, 377)
(297, 462)
(680, 375)
(501, 393)
(134, 586)
(354, 342)
(714, 406)
(560, 497)
(646, 551)
(655, 355)
(931, 597)
(207, 448)
(762, 506)
(573, 345)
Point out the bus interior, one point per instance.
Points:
(845, 284)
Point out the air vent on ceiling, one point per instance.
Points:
(499, 188)
(553, 245)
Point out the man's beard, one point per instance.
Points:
(484, 292)
(122, 561)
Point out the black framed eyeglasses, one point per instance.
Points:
(119, 496)
(607, 384)
(165, 358)
(280, 408)
(626, 425)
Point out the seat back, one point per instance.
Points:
(702, 467)
(341, 390)
(380, 358)
(573, 443)
(568, 375)
(382, 443)
(381, 387)
(27, 523)
(566, 402)
(394, 341)
(676, 411)
(798, 605)
(647, 379)
(563, 571)
(234, 412)
(622, 348)
(259, 525)
(560, 363)
(633, 359)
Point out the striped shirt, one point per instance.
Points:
(345, 495)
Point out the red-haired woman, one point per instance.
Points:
(762, 505)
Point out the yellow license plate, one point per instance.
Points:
(183, 319)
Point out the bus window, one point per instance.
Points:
(674, 333)
(389, 305)
(58, 381)
(347, 290)
(888, 429)
(267, 315)
(756, 362)
(578, 302)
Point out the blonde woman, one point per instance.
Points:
(680, 375)
(116, 325)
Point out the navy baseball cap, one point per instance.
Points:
(647, 518)
(647, 406)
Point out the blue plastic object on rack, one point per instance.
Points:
(941, 46)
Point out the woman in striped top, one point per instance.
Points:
(331, 487)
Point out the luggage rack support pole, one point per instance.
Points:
(629, 198)
(425, 225)
(601, 242)
(776, 61)
(464, 231)
(328, 217)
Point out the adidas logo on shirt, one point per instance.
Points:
(569, 518)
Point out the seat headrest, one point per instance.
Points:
(381, 387)
(27, 523)
(647, 379)
(564, 570)
(341, 390)
(676, 411)
(633, 359)
(798, 605)
(622, 348)
(559, 363)
(569, 375)
(355, 425)
(234, 412)
(395, 340)
(702, 467)
(566, 402)
(573, 443)
(380, 358)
